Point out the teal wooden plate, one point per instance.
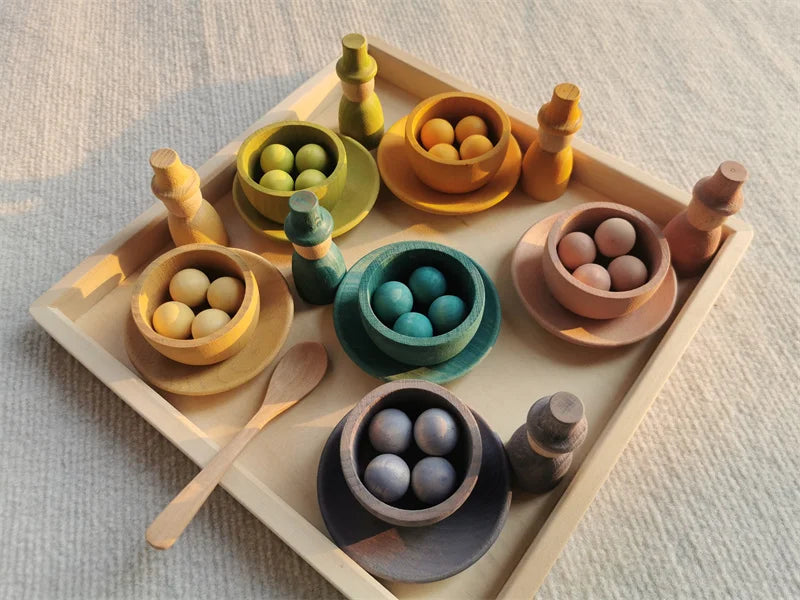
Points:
(360, 192)
(362, 350)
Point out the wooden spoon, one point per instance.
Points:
(297, 373)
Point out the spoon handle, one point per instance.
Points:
(169, 525)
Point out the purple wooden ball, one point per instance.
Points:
(433, 479)
(390, 431)
(436, 432)
(387, 477)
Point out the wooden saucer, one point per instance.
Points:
(416, 554)
(358, 198)
(275, 319)
(526, 272)
(363, 351)
(400, 178)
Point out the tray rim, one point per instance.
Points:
(56, 309)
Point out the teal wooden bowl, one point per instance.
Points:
(274, 204)
(396, 263)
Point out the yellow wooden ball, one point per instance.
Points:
(436, 131)
(208, 321)
(189, 286)
(471, 125)
(173, 320)
(474, 146)
(445, 151)
(226, 294)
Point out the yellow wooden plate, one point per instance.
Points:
(358, 198)
(400, 178)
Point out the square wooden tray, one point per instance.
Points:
(275, 477)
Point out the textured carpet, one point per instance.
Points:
(703, 503)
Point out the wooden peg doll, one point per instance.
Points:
(540, 451)
(192, 220)
(547, 164)
(317, 263)
(694, 235)
(360, 111)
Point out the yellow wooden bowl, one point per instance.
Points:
(457, 176)
(274, 204)
(152, 289)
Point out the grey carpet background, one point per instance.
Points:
(704, 503)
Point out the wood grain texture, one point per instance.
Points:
(192, 220)
(528, 277)
(360, 192)
(416, 554)
(276, 310)
(651, 247)
(413, 397)
(396, 262)
(297, 373)
(152, 290)
(363, 352)
(399, 176)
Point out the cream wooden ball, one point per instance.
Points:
(173, 320)
(209, 321)
(226, 293)
(189, 286)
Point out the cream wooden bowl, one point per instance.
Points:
(651, 247)
(457, 176)
(152, 289)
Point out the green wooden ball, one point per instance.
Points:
(309, 178)
(276, 156)
(391, 300)
(446, 313)
(311, 156)
(427, 284)
(413, 324)
(277, 180)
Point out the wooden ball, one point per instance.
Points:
(627, 273)
(436, 131)
(387, 477)
(226, 294)
(576, 249)
(471, 125)
(433, 479)
(427, 284)
(277, 180)
(594, 276)
(475, 146)
(413, 324)
(189, 286)
(276, 156)
(311, 156)
(445, 152)
(390, 431)
(615, 237)
(173, 320)
(391, 300)
(209, 321)
(446, 313)
(309, 178)
(436, 432)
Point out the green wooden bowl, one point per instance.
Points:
(274, 204)
(396, 263)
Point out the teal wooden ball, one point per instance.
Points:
(446, 313)
(433, 479)
(390, 431)
(427, 284)
(391, 300)
(413, 324)
(436, 432)
(387, 477)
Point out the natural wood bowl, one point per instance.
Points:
(413, 396)
(457, 176)
(274, 204)
(152, 289)
(651, 247)
(396, 263)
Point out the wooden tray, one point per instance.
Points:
(87, 310)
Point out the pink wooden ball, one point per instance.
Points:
(615, 237)
(627, 273)
(576, 249)
(594, 276)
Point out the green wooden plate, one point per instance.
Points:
(360, 193)
(361, 349)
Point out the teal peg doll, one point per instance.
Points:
(317, 263)
(360, 111)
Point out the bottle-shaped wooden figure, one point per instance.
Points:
(192, 220)
(547, 165)
(360, 112)
(694, 234)
(317, 264)
(540, 451)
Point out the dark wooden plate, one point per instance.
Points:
(416, 554)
